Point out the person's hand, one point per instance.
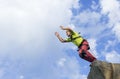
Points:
(62, 27)
(57, 34)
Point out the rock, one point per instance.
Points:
(104, 70)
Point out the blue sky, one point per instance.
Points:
(30, 50)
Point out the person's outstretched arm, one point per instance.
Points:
(60, 38)
(66, 28)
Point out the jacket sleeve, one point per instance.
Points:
(68, 40)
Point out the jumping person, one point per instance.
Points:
(79, 41)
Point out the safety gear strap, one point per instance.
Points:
(84, 44)
(74, 38)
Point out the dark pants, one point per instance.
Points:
(84, 53)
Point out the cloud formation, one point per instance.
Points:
(112, 12)
(113, 57)
(27, 36)
(68, 69)
(29, 49)
(111, 8)
(29, 24)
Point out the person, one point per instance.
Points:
(79, 41)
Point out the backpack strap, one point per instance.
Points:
(74, 38)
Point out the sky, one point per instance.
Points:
(30, 50)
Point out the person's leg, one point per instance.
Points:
(89, 57)
(85, 54)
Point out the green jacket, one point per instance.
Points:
(75, 38)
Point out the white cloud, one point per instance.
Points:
(113, 57)
(72, 26)
(27, 33)
(89, 23)
(109, 44)
(93, 44)
(70, 69)
(29, 24)
(116, 30)
(21, 77)
(76, 4)
(88, 16)
(61, 62)
(109, 5)
(94, 6)
(112, 9)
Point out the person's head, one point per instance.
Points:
(68, 33)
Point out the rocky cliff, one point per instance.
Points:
(104, 70)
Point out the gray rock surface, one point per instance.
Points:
(104, 70)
